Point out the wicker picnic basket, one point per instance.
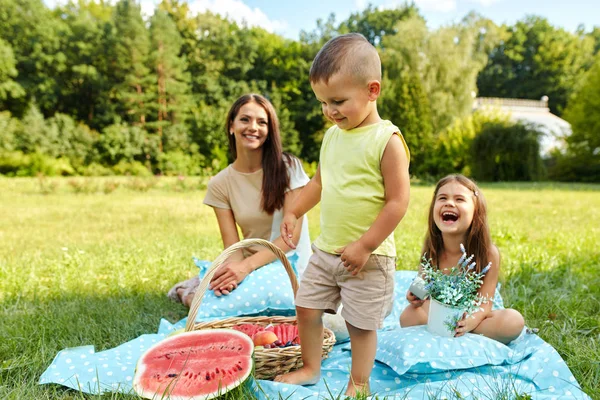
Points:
(268, 362)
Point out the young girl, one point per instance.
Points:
(458, 215)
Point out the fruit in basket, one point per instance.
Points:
(264, 338)
(286, 333)
(197, 365)
(249, 329)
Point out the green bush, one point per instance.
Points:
(177, 163)
(134, 168)
(11, 162)
(95, 169)
(9, 127)
(122, 143)
(507, 152)
(452, 152)
(575, 168)
(16, 163)
(71, 139)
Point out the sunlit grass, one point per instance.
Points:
(93, 265)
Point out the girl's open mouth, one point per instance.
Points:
(449, 216)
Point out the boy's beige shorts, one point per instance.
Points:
(367, 297)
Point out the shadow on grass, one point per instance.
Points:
(34, 331)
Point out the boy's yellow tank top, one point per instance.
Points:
(352, 185)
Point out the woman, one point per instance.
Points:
(252, 193)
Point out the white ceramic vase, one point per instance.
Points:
(442, 318)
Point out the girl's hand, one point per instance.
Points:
(414, 300)
(227, 277)
(354, 256)
(465, 325)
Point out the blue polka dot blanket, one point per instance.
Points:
(410, 363)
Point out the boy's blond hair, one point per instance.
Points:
(350, 53)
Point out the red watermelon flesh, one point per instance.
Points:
(194, 365)
(249, 329)
(286, 333)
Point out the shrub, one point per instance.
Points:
(134, 168)
(95, 169)
(16, 163)
(452, 152)
(177, 163)
(9, 127)
(507, 152)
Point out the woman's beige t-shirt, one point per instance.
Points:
(242, 194)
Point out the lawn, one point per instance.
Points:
(89, 261)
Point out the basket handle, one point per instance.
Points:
(195, 306)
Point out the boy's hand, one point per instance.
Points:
(354, 256)
(288, 224)
(414, 300)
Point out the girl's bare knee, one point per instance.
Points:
(407, 318)
(515, 320)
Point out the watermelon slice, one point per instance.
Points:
(249, 329)
(195, 365)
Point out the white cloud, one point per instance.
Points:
(360, 4)
(485, 3)
(437, 5)
(239, 12)
(426, 5)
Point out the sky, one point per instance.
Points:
(289, 17)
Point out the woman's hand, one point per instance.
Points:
(228, 276)
(414, 300)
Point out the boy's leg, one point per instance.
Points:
(310, 329)
(501, 325)
(363, 345)
(412, 316)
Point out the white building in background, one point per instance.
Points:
(534, 112)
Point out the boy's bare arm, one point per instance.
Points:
(394, 168)
(309, 196)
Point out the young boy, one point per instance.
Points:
(363, 185)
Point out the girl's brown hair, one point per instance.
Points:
(478, 241)
(275, 179)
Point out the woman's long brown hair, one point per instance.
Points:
(478, 241)
(276, 180)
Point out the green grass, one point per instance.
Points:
(72, 250)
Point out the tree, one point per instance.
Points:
(445, 61)
(582, 158)
(405, 102)
(34, 36)
(536, 59)
(9, 89)
(85, 83)
(374, 24)
(128, 56)
(170, 100)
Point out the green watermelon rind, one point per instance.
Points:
(148, 394)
